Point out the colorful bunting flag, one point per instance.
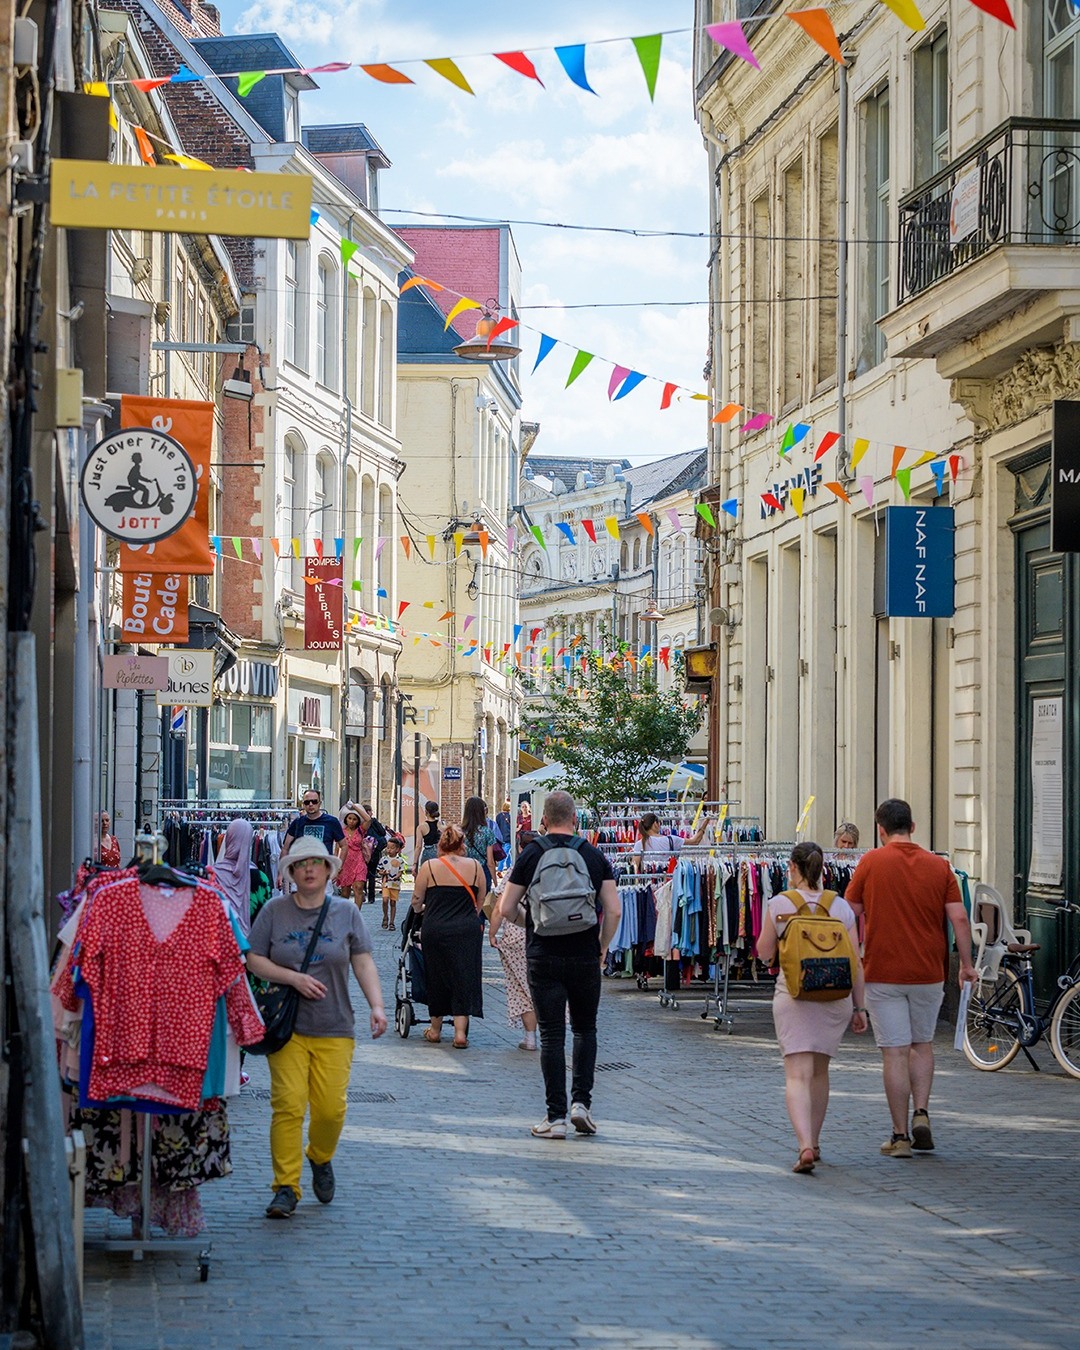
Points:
(798, 496)
(380, 544)
(459, 308)
(907, 12)
(646, 522)
(246, 82)
(421, 281)
(837, 489)
(565, 528)
(771, 501)
(667, 395)
(924, 458)
(406, 544)
(572, 60)
(817, 25)
(580, 362)
(903, 477)
(611, 524)
(727, 412)
(731, 37)
(704, 510)
(939, 469)
(431, 539)
(858, 450)
(731, 506)
(349, 248)
(648, 52)
(146, 148)
(403, 605)
(442, 65)
(236, 546)
(826, 444)
(520, 62)
(190, 162)
(630, 384)
(676, 521)
(484, 538)
(386, 74)
(899, 451)
(459, 541)
(617, 376)
(256, 548)
(148, 86)
(866, 485)
(511, 538)
(997, 9)
(955, 463)
(538, 535)
(546, 345)
(757, 422)
(503, 326)
(590, 529)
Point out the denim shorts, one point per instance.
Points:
(903, 1014)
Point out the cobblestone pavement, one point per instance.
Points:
(679, 1225)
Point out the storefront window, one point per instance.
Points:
(241, 760)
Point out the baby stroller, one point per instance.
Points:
(410, 987)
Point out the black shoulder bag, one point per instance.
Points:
(278, 1004)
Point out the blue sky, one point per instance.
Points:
(560, 154)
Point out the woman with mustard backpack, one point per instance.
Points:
(817, 995)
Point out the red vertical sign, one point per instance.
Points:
(324, 604)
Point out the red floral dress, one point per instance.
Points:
(354, 869)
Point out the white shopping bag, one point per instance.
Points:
(961, 1016)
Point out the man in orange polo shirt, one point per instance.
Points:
(906, 895)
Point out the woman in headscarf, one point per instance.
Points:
(245, 887)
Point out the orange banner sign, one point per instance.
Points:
(192, 424)
(155, 608)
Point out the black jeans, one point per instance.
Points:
(555, 982)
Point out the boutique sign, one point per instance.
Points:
(920, 562)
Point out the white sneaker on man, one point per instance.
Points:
(581, 1120)
(550, 1129)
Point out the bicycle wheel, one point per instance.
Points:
(1065, 1032)
(991, 1031)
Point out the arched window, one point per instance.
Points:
(387, 365)
(648, 551)
(624, 556)
(369, 343)
(637, 555)
(326, 325)
(324, 504)
(294, 515)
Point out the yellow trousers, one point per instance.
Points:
(307, 1070)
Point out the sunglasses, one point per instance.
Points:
(312, 801)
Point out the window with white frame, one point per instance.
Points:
(291, 299)
(931, 94)
(322, 514)
(874, 288)
(326, 325)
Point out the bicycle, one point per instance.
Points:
(1001, 1019)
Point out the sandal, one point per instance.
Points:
(461, 1045)
(806, 1161)
(817, 1153)
(433, 1038)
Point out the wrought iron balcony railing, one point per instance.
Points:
(1018, 185)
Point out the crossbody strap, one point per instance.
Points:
(470, 889)
(315, 936)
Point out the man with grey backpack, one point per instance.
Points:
(562, 890)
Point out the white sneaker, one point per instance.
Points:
(581, 1120)
(550, 1129)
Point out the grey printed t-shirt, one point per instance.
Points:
(282, 931)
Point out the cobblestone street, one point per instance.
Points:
(678, 1225)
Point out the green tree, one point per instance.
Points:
(608, 728)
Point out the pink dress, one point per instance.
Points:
(357, 852)
(803, 1026)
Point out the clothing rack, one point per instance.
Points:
(140, 1242)
(272, 814)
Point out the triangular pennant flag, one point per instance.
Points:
(630, 384)
(459, 308)
(546, 344)
(907, 12)
(349, 247)
(406, 544)
(646, 522)
(314, 216)
(939, 468)
(816, 24)
(676, 521)
(731, 506)
(215, 543)
(468, 620)
(520, 62)
(826, 444)
(611, 524)
(339, 547)
(256, 548)
(237, 548)
(318, 548)
(580, 362)
(899, 451)
(667, 396)
(275, 544)
(704, 510)
(386, 74)
(955, 463)
(485, 539)
(564, 527)
(421, 281)
(442, 65)
(295, 547)
(837, 489)
(866, 486)
(572, 60)
(771, 501)
(538, 535)
(146, 147)
(727, 412)
(731, 37)
(148, 86)
(858, 450)
(431, 545)
(590, 529)
(403, 605)
(757, 422)
(356, 546)
(518, 630)
(798, 496)
(503, 326)
(924, 458)
(800, 431)
(648, 51)
(246, 82)
(617, 376)
(190, 162)
(789, 439)
(185, 76)
(331, 68)
(358, 585)
(459, 541)
(903, 477)
(446, 614)
(997, 9)
(511, 539)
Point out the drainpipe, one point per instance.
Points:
(843, 458)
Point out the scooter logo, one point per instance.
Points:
(139, 485)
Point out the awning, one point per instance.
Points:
(528, 763)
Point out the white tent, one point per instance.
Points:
(671, 779)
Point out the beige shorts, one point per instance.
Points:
(903, 1014)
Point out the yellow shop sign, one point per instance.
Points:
(89, 195)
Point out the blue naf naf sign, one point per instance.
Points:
(920, 562)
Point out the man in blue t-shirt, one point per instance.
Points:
(564, 971)
(315, 823)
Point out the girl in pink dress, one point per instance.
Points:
(355, 852)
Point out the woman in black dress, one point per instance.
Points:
(449, 891)
(426, 843)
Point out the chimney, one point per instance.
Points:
(206, 19)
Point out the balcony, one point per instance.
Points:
(987, 260)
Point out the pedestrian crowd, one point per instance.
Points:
(875, 958)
